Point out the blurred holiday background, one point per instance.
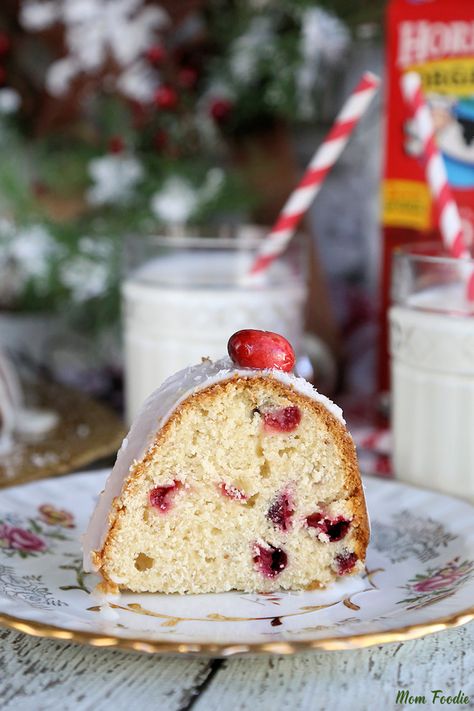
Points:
(125, 118)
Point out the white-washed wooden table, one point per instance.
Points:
(39, 674)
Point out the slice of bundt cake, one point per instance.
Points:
(236, 475)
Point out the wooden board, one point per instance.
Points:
(87, 431)
(37, 675)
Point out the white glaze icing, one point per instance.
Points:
(155, 412)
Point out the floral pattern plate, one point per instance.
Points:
(419, 579)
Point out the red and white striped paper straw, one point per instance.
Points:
(449, 219)
(321, 163)
(450, 224)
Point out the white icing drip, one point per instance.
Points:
(156, 411)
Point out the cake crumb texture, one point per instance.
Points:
(250, 486)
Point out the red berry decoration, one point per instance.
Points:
(116, 144)
(261, 349)
(187, 77)
(5, 44)
(166, 97)
(156, 54)
(221, 110)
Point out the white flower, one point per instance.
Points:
(87, 274)
(59, 76)
(252, 46)
(95, 30)
(178, 199)
(138, 82)
(85, 277)
(25, 254)
(324, 34)
(32, 248)
(175, 202)
(95, 247)
(324, 41)
(37, 16)
(114, 177)
(217, 90)
(9, 101)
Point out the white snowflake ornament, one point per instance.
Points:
(85, 277)
(138, 82)
(9, 101)
(175, 202)
(250, 48)
(114, 178)
(26, 254)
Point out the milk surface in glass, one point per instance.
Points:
(432, 351)
(189, 295)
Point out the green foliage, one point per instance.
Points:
(37, 176)
(357, 12)
(252, 52)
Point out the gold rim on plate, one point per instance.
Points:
(360, 641)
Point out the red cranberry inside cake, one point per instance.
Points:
(285, 419)
(270, 560)
(345, 562)
(161, 497)
(232, 492)
(281, 511)
(335, 529)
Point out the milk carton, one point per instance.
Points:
(436, 39)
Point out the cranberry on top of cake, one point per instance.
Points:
(251, 348)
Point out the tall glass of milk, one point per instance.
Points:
(184, 296)
(432, 354)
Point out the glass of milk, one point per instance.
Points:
(184, 296)
(432, 355)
